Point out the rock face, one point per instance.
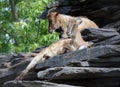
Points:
(101, 11)
(98, 66)
(77, 73)
(81, 56)
(34, 84)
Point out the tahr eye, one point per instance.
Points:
(50, 21)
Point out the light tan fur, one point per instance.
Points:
(60, 20)
(54, 49)
(71, 44)
(66, 23)
(76, 39)
(51, 51)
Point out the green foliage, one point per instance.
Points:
(29, 32)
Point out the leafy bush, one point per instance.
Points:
(29, 32)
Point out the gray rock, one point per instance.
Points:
(11, 73)
(4, 57)
(78, 73)
(95, 62)
(69, 3)
(81, 55)
(98, 82)
(111, 41)
(101, 11)
(97, 35)
(9, 60)
(34, 84)
(114, 25)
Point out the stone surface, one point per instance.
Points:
(115, 25)
(11, 73)
(34, 84)
(97, 35)
(101, 11)
(78, 73)
(9, 60)
(12, 64)
(81, 55)
(99, 82)
(111, 41)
